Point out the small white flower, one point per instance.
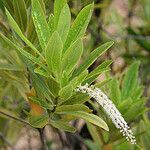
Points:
(110, 110)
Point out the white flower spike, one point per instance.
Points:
(110, 110)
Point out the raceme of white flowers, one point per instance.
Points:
(110, 110)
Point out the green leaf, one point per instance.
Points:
(53, 86)
(22, 51)
(42, 72)
(66, 92)
(92, 57)
(61, 125)
(115, 93)
(91, 145)
(51, 24)
(53, 53)
(40, 23)
(58, 6)
(96, 72)
(102, 83)
(20, 14)
(64, 23)
(130, 80)
(94, 133)
(72, 56)
(9, 5)
(75, 107)
(42, 3)
(78, 98)
(38, 83)
(89, 117)
(41, 103)
(19, 32)
(79, 26)
(135, 110)
(31, 32)
(38, 121)
(64, 79)
(79, 79)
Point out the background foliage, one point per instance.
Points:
(33, 83)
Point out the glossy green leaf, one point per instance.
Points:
(39, 84)
(66, 92)
(90, 118)
(75, 107)
(58, 6)
(51, 23)
(61, 125)
(40, 23)
(72, 56)
(53, 53)
(38, 121)
(94, 133)
(115, 93)
(64, 23)
(41, 72)
(96, 72)
(22, 51)
(20, 14)
(42, 103)
(79, 26)
(53, 86)
(64, 79)
(79, 79)
(76, 99)
(31, 32)
(92, 57)
(19, 32)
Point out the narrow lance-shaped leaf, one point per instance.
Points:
(51, 24)
(64, 23)
(89, 117)
(115, 93)
(75, 107)
(72, 56)
(61, 125)
(53, 53)
(19, 32)
(40, 23)
(92, 76)
(92, 57)
(66, 92)
(20, 14)
(58, 6)
(22, 51)
(130, 80)
(79, 26)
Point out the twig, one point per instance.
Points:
(43, 138)
(15, 118)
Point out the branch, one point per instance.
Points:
(43, 138)
(15, 118)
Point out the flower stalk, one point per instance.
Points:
(110, 110)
